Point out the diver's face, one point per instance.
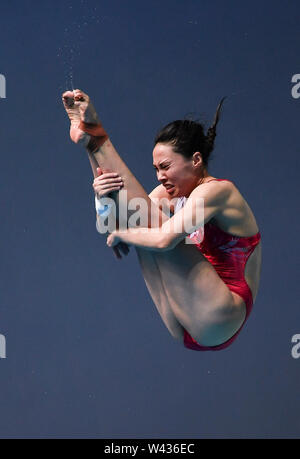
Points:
(175, 172)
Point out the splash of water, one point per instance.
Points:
(75, 36)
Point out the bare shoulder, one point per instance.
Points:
(214, 190)
(234, 215)
(159, 192)
(160, 196)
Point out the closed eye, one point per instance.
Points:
(162, 166)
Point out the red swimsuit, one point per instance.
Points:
(228, 254)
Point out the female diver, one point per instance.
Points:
(204, 292)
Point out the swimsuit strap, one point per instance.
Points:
(219, 180)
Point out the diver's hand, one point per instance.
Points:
(107, 182)
(117, 245)
(113, 239)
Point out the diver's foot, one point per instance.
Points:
(80, 110)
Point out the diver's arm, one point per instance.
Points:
(203, 204)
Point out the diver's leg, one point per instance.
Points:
(108, 160)
(93, 164)
(83, 116)
(200, 300)
(153, 281)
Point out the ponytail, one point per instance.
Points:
(211, 132)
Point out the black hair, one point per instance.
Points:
(187, 136)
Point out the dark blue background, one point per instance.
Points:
(87, 353)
